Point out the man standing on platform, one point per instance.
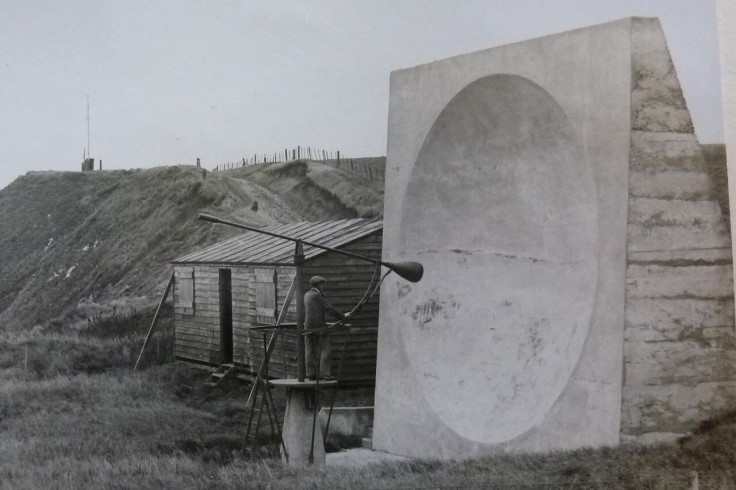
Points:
(318, 344)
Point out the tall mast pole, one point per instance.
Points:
(88, 153)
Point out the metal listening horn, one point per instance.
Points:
(411, 271)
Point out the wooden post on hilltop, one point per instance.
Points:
(338, 158)
(298, 152)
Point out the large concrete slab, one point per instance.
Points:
(507, 176)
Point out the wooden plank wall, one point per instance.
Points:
(198, 334)
(348, 278)
(245, 315)
(358, 366)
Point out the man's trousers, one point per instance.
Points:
(318, 350)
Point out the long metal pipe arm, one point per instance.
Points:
(411, 271)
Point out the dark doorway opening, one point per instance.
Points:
(226, 316)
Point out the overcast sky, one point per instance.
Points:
(172, 81)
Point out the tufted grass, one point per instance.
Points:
(66, 424)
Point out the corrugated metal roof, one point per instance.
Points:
(256, 248)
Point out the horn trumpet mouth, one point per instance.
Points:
(411, 271)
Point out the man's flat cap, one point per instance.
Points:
(317, 280)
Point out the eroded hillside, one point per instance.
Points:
(76, 245)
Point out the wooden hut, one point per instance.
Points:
(225, 294)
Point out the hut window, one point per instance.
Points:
(185, 290)
(265, 282)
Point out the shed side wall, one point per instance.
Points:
(348, 278)
(679, 348)
(197, 335)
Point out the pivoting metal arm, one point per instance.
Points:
(411, 271)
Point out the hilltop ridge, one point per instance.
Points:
(76, 245)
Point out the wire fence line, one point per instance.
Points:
(333, 158)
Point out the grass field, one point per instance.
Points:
(73, 415)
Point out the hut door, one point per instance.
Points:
(226, 317)
(266, 281)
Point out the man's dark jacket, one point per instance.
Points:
(315, 306)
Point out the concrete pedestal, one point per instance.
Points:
(298, 423)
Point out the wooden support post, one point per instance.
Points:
(338, 158)
(155, 319)
(299, 263)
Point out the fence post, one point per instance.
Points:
(338, 158)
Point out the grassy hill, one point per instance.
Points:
(77, 246)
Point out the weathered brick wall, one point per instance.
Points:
(679, 348)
